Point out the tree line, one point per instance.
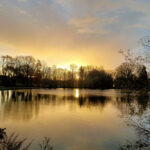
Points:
(29, 72)
(26, 71)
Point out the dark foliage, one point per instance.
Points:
(26, 71)
(99, 79)
(12, 142)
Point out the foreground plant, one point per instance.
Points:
(138, 145)
(2, 133)
(45, 145)
(13, 143)
(142, 125)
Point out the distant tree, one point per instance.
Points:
(99, 79)
(73, 69)
(142, 77)
(72, 75)
(28, 68)
(124, 77)
(131, 74)
(81, 76)
(28, 71)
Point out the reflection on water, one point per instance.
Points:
(130, 105)
(25, 104)
(75, 119)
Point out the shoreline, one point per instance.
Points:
(18, 88)
(123, 90)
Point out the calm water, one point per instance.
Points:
(74, 119)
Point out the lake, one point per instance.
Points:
(74, 119)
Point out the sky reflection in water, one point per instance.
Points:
(74, 119)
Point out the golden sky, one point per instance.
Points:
(84, 32)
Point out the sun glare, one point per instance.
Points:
(68, 66)
(77, 77)
(64, 67)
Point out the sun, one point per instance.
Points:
(77, 77)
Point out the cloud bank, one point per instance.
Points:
(73, 31)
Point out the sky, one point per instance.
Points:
(83, 32)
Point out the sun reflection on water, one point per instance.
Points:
(77, 94)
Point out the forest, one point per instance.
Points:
(26, 71)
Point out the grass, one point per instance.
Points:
(12, 142)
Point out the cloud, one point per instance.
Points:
(22, 0)
(92, 25)
(1, 5)
(74, 29)
(22, 12)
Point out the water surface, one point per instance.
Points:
(74, 119)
